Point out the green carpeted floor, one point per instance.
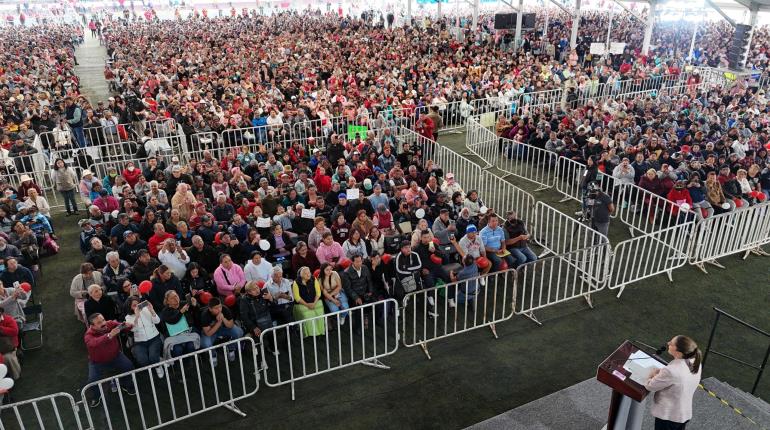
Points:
(470, 377)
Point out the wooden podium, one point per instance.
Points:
(626, 404)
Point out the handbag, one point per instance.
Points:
(409, 284)
(181, 326)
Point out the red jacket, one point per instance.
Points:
(102, 349)
(323, 183)
(155, 241)
(9, 328)
(679, 197)
(132, 177)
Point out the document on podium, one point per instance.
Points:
(640, 364)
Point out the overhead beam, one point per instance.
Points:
(510, 5)
(562, 7)
(744, 3)
(629, 11)
(720, 11)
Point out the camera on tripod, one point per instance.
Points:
(589, 200)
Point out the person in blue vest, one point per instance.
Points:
(74, 116)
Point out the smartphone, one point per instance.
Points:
(187, 297)
(143, 305)
(121, 326)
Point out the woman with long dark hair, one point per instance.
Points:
(675, 384)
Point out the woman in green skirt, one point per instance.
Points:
(308, 303)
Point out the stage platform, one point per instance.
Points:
(584, 407)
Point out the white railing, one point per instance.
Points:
(457, 308)
(528, 162)
(561, 278)
(569, 180)
(558, 233)
(646, 212)
(503, 196)
(743, 230)
(481, 141)
(528, 103)
(192, 385)
(55, 411)
(649, 255)
(327, 343)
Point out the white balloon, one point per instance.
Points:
(420, 213)
(3, 370)
(264, 245)
(725, 205)
(115, 214)
(685, 206)
(483, 210)
(6, 384)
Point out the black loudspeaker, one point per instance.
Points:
(527, 21)
(738, 47)
(505, 21)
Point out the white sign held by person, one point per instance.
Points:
(308, 213)
(617, 47)
(597, 49)
(263, 222)
(352, 193)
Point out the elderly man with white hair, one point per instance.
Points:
(280, 288)
(175, 257)
(115, 272)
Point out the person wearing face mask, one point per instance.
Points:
(131, 174)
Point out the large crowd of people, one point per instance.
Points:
(281, 227)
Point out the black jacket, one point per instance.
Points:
(254, 312)
(357, 286)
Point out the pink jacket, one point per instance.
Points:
(327, 253)
(227, 280)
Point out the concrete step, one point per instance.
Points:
(749, 405)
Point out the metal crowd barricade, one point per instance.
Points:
(55, 411)
(558, 233)
(646, 212)
(569, 175)
(192, 386)
(742, 230)
(326, 343)
(35, 166)
(235, 137)
(561, 278)
(498, 194)
(650, 255)
(528, 162)
(459, 307)
(467, 172)
(569, 179)
(481, 142)
(548, 99)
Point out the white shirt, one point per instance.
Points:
(176, 261)
(284, 287)
(258, 272)
(144, 325)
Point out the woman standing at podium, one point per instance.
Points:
(675, 384)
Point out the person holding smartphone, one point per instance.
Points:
(147, 342)
(103, 343)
